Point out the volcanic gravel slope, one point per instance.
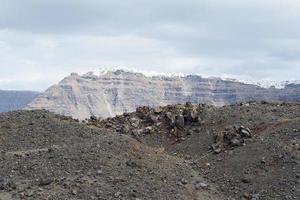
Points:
(46, 156)
(246, 151)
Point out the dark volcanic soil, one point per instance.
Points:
(263, 165)
(45, 156)
(247, 151)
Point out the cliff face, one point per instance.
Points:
(14, 100)
(116, 92)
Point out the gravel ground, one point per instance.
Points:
(244, 151)
(263, 165)
(46, 156)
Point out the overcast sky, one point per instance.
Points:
(41, 41)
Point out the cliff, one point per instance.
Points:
(115, 92)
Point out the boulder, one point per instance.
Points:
(158, 110)
(134, 122)
(235, 142)
(244, 132)
(179, 121)
(190, 115)
(147, 130)
(125, 129)
(171, 119)
(142, 111)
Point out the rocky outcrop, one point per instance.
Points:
(14, 100)
(119, 91)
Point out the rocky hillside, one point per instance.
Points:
(116, 92)
(45, 156)
(246, 151)
(14, 100)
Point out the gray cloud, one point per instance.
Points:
(46, 40)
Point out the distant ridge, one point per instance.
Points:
(107, 93)
(15, 100)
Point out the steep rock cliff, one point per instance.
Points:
(115, 92)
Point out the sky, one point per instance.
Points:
(42, 41)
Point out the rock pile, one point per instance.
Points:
(173, 120)
(231, 137)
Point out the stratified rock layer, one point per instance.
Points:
(116, 92)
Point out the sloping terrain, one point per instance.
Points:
(14, 100)
(45, 156)
(115, 92)
(246, 151)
